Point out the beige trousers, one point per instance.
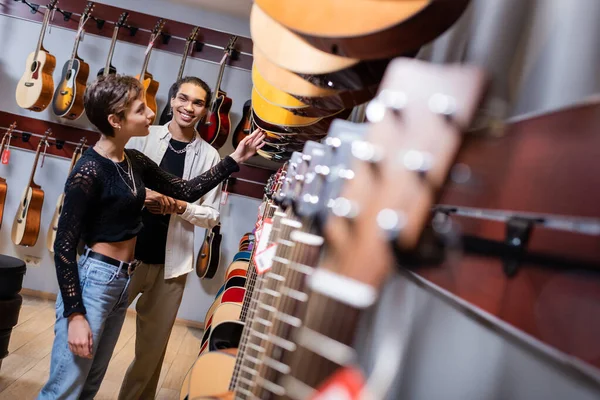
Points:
(156, 312)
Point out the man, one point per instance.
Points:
(166, 244)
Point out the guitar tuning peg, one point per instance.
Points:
(443, 104)
(333, 142)
(345, 208)
(386, 100)
(418, 161)
(391, 222)
(366, 151)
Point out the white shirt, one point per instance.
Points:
(179, 255)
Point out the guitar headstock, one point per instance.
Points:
(193, 35)
(82, 143)
(158, 27)
(45, 138)
(122, 19)
(10, 129)
(399, 167)
(229, 49)
(52, 5)
(284, 191)
(87, 11)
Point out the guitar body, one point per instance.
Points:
(51, 236)
(218, 126)
(36, 86)
(26, 227)
(68, 97)
(111, 70)
(243, 265)
(150, 90)
(210, 375)
(3, 191)
(209, 256)
(243, 127)
(226, 327)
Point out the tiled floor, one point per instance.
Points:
(26, 368)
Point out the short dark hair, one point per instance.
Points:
(111, 94)
(194, 81)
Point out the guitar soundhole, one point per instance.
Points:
(68, 75)
(33, 66)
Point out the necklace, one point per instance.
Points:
(184, 149)
(129, 172)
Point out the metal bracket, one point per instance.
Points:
(165, 38)
(132, 30)
(25, 137)
(518, 232)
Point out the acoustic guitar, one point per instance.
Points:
(209, 256)
(386, 28)
(167, 113)
(36, 86)
(26, 226)
(3, 184)
(218, 123)
(109, 68)
(398, 171)
(51, 235)
(150, 85)
(68, 97)
(202, 382)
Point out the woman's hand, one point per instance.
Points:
(80, 336)
(248, 146)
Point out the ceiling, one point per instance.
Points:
(236, 8)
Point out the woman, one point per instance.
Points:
(104, 195)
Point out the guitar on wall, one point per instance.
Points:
(166, 114)
(68, 97)
(3, 185)
(218, 124)
(36, 86)
(150, 85)
(109, 68)
(26, 227)
(209, 256)
(51, 236)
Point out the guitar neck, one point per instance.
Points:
(184, 60)
(35, 162)
(219, 79)
(42, 34)
(252, 274)
(111, 51)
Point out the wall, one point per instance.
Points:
(444, 351)
(19, 39)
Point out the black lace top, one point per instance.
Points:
(99, 206)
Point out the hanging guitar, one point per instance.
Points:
(51, 236)
(36, 86)
(218, 124)
(3, 184)
(166, 114)
(209, 256)
(68, 98)
(109, 68)
(26, 227)
(150, 85)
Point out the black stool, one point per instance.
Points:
(12, 271)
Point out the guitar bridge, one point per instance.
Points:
(28, 84)
(63, 92)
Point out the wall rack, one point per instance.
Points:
(210, 45)
(249, 181)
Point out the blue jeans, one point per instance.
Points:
(104, 292)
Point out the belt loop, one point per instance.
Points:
(86, 254)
